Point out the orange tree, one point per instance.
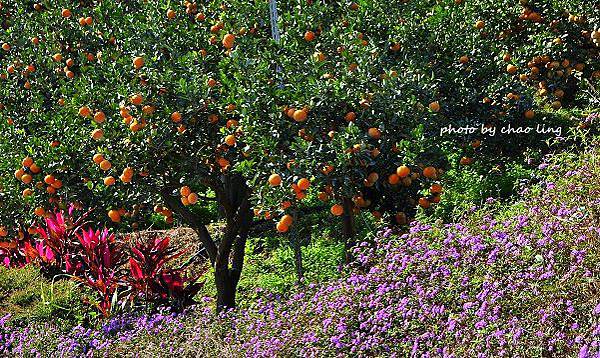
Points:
(143, 110)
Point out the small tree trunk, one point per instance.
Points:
(298, 261)
(349, 229)
(226, 288)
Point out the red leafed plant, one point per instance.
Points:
(152, 280)
(100, 260)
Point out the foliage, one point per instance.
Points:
(28, 297)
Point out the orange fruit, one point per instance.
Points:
(98, 158)
(128, 172)
(430, 172)
(464, 59)
(530, 114)
(89, 20)
(5, 47)
(170, 14)
(436, 188)
(434, 106)
(27, 193)
(374, 133)
(403, 171)
(424, 203)
(309, 36)
(109, 180)
(99, 117)
(337, 210)
(114, 215)
(176, 117)
(350, 116)
(57, 184)
(303, 184)
(192, 198)
(479, 25)
(230, 140)
(287, 220)
(26, 178)
(35, 169)
(184, 201)
(228, 41)
(97, 134)
(138, 62)
(300, 115)
(275, 180)
(66, 13)
(105, 165)
(27, 162)
(136, 99)
(85, 111)
(281, 227)
(39, 211)
(393, 179)
(19, 173)
(185, 191)
(511, 69)
(49, 179)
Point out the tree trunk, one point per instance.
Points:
(298, 262)
(226, 289)
(349, 229)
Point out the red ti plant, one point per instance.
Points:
(153, 281)
(100, 259)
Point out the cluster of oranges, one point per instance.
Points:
(165, 212)
(298, 115)
(26, 174)
(187, 196)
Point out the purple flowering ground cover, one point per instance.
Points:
(515, 281)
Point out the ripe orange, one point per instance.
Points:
(128, 172)
(98, 158)
(49, 179)
(230, 140)
(303, 184)
(5, 47)
(287, 220)
(85, 111)
(105, 165)
(170, 14)
(434, 106)
(464, 59)
(3, 231)
(97, 134)
(309, 36)
(39, 211)
(136, 99)
(27, 193)
(35, 169)
(281, 227)
(403, 171)
(57, 184)
(114, 215)
(350, 116)
(19, 173)
(479, 25)
(424, 203)
(184, 201)
(337, 210)
(530, 114)
(66, 13)
(300, 115)
(27, 162)
(430, 172)
(176, 117)
(26, 178)
(185, 191)
(138, 62)
(436, 188)
(192, 198)
(393, 179)
(89, 20)
(228, 41)
(275, 180)
(511, 69)
(109, 180)
(374, 133)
